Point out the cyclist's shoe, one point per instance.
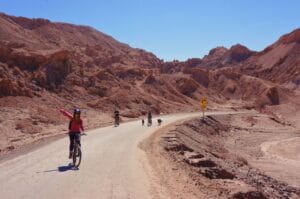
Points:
(70, 155)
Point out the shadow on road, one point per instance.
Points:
(66, 168)
(62, 169)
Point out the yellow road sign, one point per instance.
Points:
(203, 103)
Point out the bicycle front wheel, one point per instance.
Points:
(77, 155)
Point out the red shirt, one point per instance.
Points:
(75, 126)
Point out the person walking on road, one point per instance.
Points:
(149, 118)
(117, 118)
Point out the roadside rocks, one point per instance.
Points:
(10, 148)
(198, 160)
(28, 127)
(208, 167)
(173, 144)
(192, 155)
(201, 162)
(249, 195)
(216, 173)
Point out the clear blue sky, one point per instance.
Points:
(172, 29)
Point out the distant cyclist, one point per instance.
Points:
(117, 117)
(149, 118)
(75, 127)
(159, 121)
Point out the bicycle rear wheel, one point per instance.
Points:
(77, 156)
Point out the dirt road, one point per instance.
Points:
(113, 166)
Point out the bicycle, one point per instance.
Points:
(76, 153)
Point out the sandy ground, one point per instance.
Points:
(275, 146)
(243, 156)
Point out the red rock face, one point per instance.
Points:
(193, 62)
(187, 86)
(279, 62)
(215, 53)
(150, 79)
(215, 58)
(11, 88)
(199, 75)
(221, 57)
(293, 37)
(238, 53)
(27, 23)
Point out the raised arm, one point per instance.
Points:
(66, 113)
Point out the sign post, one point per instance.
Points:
(203, 105)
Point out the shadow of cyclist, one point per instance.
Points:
(62, 169)
(66, 168)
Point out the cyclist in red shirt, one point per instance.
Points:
(75, 127)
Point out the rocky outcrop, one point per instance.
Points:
(279, 62)
(199, 75)
(221, 57)
(215, 54)
(187, 86)
(237, 53)
(57, 68)
(29, 24)
(269, 97)
(273, 95)
(215, 58)
(24, 60)
(11, 88)
(150, 79)
(193, 62)
(293, 37)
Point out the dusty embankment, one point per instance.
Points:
(27, 123)
(231, 156)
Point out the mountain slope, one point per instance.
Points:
(280, 62)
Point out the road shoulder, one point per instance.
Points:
(170, 178)
(230, 176)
